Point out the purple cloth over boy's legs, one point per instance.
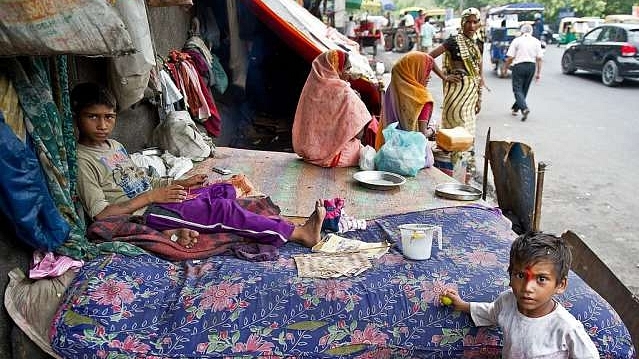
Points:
(215, 210)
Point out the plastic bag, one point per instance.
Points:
(153, 164)
(404, 152)
(179, 135)
(176, 166)
(24, 195)
(367, 158)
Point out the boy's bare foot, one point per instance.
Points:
(185, 237)
(309, 234)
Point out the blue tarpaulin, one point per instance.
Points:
(517, 8)
(388, 5)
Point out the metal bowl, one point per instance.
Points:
(457, 191)
(379, 180)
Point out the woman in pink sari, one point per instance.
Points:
(330, 116)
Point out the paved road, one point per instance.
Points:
(586, 132)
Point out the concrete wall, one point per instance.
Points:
(169, 26)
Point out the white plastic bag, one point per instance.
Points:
(179, 135)
(177, 166)
(153, 164)
(367, 158)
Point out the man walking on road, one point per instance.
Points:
(426, 34)
(525, 55)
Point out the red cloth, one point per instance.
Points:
(214, 124)
(177, 67)
(370, 132)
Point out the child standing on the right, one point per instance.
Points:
(534, 325)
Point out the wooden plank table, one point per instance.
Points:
(294, 185)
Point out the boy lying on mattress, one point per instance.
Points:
(110, 184)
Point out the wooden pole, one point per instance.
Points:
(484, 185)
(541, 170)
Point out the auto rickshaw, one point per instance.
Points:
(621, 18)
(573, 28)
(503, 26)
(501, 38)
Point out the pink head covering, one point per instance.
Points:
(329, 115)
(407, 93)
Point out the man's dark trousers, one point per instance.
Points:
(522, 75)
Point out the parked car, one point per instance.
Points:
(610, 49)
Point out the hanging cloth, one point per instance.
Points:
(170, 93)
(52, 134)
(197, 95)
(51, 131)
(10, 107)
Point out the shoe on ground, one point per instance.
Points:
(525, 114)
(514, 112)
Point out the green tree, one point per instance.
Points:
(619, 7)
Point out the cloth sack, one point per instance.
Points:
(404, 152)
(87, 27)
(179, 135)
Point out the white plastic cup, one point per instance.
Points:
(417, 240)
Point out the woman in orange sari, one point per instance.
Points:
(330, 116)
(407, 99)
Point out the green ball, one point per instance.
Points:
(446, 300)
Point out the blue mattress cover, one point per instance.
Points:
(127, 307)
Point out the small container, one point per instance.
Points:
(417, 240)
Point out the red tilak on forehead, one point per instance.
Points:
(529, 274)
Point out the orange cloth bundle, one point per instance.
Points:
(454, 139)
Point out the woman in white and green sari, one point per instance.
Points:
(463, 62)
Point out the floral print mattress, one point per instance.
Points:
(222, 307)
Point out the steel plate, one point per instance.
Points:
(457, 191)
(379, 180)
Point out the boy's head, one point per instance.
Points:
(94, 112)
(87, 94)
(538, 270)
(534, 247)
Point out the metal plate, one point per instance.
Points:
(379, 180)
(457, 191)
